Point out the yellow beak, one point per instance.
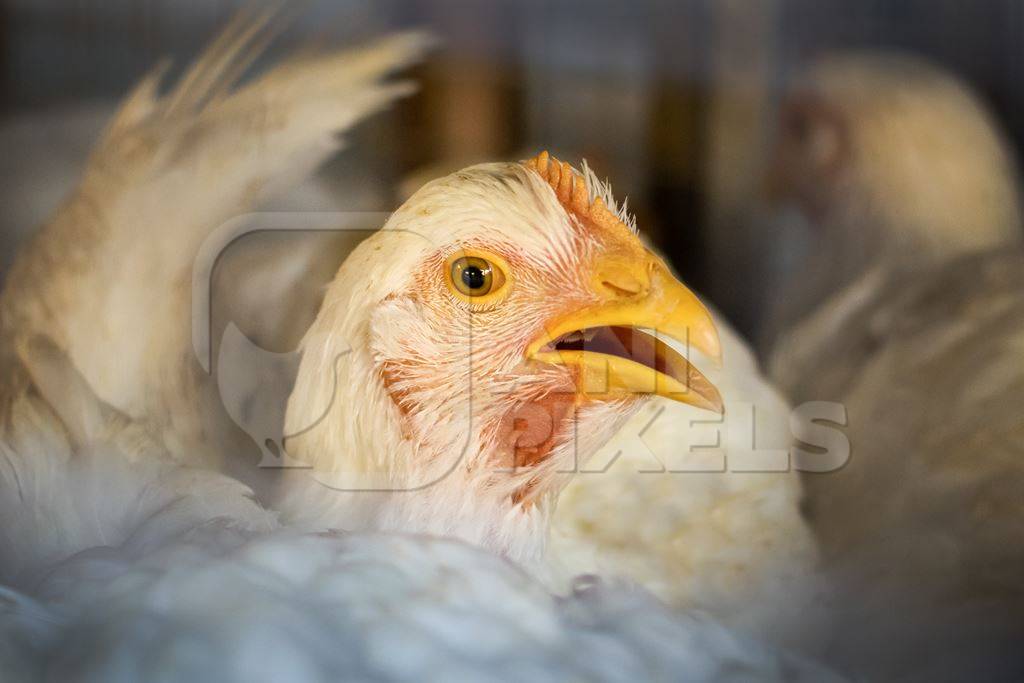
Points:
(616, 344)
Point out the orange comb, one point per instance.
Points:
(571, 189)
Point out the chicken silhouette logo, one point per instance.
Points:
(254, 386)
(254, 383)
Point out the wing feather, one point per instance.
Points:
(105, 278)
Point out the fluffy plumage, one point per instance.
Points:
(77, 474)
(119, 565)
(362, 607)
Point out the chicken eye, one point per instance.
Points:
(475, 277)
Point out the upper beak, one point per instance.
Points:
(619, 351)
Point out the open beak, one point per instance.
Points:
(616, 345)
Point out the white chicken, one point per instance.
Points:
(898, 168)
(383, 399)
(687, 536)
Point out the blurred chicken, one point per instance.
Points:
(895, 167)
(918, 331)
(218, 604)
(706, 539)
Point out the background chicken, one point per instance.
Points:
(907, 186)
(895, 166)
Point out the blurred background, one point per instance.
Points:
(673, 101)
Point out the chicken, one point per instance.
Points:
(348, 338)
(117, 564)
(894, 164)
(381, 399)
(717, 540)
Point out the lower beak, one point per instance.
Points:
(616, 345)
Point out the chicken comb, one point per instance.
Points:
(571, 189)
